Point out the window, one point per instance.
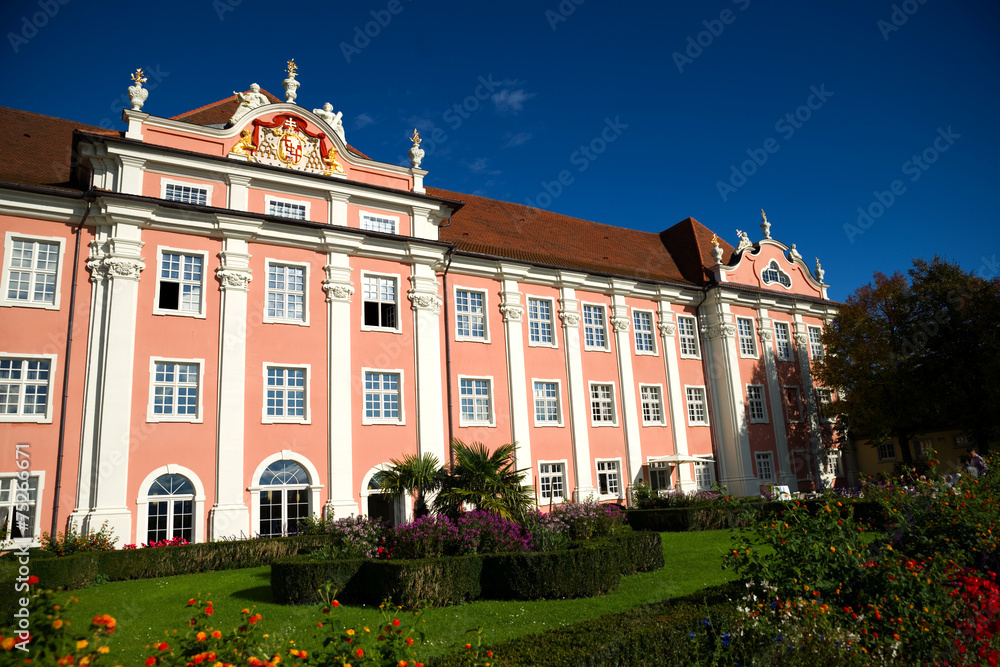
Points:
(547, 412)
(697, 412)
(755, 404)
(470, 315)
(963, 440)
(287, 209)
(594, 332)
(552, 481)
(285, 394)
(170, 515)
(19, 518)
(175, 394)
(608, 478)
(688, 336)
(772, 274)
(475, 398)
(382, 397)
(602, 404)
(285, 501)
(25, 394)
(651, 397)
(31, 271)
(179, 288)
(540, 322)
(833, 464)
(924, 448)
(783, 340)
(642, 323)
(825, 399)
(379, 302)
(704, 475)
(887, 451)
(659, 475)
(793, 405)
(376, 222)
(744, 329)
(286, 294)
(815, 342)
(187, 194)
(765, 466)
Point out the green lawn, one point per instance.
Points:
(145, 608)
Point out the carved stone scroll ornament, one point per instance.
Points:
(667, 328)
(102, 268)
(620, 323)
(425, 301)
(512, 312)
(802, 339)
(721, 330)
(231, 278)
(766, 335)
(570, 319)
(337, 291)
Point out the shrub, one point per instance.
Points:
(431, 537)
(583, 571)
(583, 521)
(546, 530)
(494, 534)
(299, 579)
(71, 542)
(351, 537)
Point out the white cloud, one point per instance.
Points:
(363, 120)
(511, 100)
(517, 139)
(482, 166)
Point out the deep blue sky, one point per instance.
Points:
(554, 89)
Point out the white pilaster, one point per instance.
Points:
(338, 207)
(426, 305)
(239, 192)
(729, 419)
(339, 289)
(765, 329)
(809, 396)
(517, 381)
(579, 399)
(621, 322)
(230, 516)
(131, 174)
(675, 394)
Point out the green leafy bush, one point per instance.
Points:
(585, 570)
(71, 542)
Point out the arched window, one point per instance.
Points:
(773, 274)
(285, 498)
(171, 499)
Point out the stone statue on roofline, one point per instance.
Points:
(332, 119)
(248, 101)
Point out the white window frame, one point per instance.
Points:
(534, 403)
(636, 313)
(485, 338)
(773, 266)
(197, 507)
(662, 421)
(270, 199)
(553, 499)
(182, 184)
(50, 390)
(768, 458)
(824, 397)
(692, 337)
(491, 420)
(660, 475)
(399, 320)
(759, 402)
(8, 251)
(787, 329)
(306, 417)
(554, 342)
(36, 530)
(746, 339)
(887, 451)
(199, 416)
(816, 350)
(613, 400)
(963, 441)
(157, 310)
(788, 406)
(600, 324)
(369, 215)
(314, 487)
(366, 420)
(834, 463)
(688, 404)
(704, 465)
(617, 472)
(269, 319)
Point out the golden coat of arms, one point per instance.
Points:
(285, 142)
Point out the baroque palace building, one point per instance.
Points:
(214, 324)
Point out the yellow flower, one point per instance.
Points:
(82, 643)
(833, 549)
(103, 649)
(350, 631)
(57, 623)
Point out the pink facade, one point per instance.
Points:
(260, 326)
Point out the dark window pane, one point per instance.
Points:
(170, 295)
(389, 315)
(371, 313)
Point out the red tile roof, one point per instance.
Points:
(514, 231)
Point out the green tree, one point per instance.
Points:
(484, 480)
(412, 474)
(916, 355)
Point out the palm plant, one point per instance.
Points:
(484, 480)
(412, 474)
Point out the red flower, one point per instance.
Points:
(336, 604)
(32, 580)
(208, 611)
(358, 652)
(150, 661)
(468, 646)
(395, 622)
(409, 640)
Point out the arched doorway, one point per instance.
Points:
(170, 508)
(284, 498)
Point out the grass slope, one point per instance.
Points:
(146, 608)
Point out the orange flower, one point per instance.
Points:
(201, 636)
(358, 652)
(216, 634)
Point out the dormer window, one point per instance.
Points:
(772, 274)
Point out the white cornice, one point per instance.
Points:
(25, 204)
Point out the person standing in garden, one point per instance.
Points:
(968, 467)
(978, 462)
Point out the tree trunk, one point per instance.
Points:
(904, 447)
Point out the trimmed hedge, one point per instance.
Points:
(710, 517)
(639, 552)
(584, 570)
